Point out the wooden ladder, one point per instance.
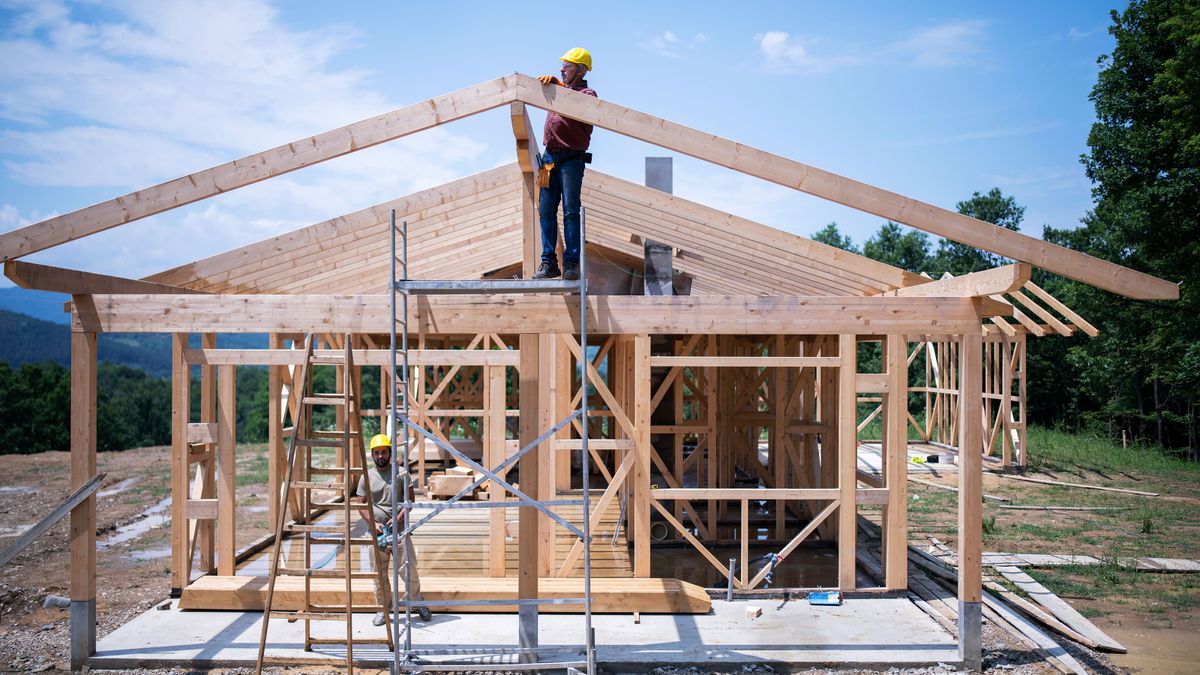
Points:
(304, 477)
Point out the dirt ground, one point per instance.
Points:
(1153, 614)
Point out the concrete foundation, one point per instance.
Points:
(875, 632)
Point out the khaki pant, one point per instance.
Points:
(407, 554)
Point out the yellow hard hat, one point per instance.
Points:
(578, 55)
(381, 441)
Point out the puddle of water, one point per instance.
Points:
(118, 488)
(23, 489)
(153, 553)
(1155, 650)
(155, 516)
(14, 531)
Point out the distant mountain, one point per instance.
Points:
(42, 305)
(25, 339)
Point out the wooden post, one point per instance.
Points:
(829, 431)
(275, 451)
(180, 413)
(203, 529)
(83, 516)
(493, 439)
(527, 565)
(847, 460)
(895, 442)
(227, 470)
(547, 455)
(970, 501)
(641, 445)
(564, 378)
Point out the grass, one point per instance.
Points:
(1055, 450)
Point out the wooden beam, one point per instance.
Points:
(257, 167)
(852, 193)
(1067, 312)
(740, 315)
(226, 470)
(61, 280)
(642, 449)
(83, 516)
(362, 357)
(996, 280)
(746, 361)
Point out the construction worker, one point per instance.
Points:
(379, 480)
(561, 173)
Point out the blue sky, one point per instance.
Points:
(931, 100)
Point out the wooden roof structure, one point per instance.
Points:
(482, 198)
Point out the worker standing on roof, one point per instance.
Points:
(378, 480)
(561, 174)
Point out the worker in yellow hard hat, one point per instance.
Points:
(378, 480)
(561, 173)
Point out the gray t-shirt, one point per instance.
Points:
(381, 492)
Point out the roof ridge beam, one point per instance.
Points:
(827, 185)
(254, 168)
(1004, 279)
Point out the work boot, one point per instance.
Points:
(547, 270)
(570, 271)
(424, 613)
(380, 619)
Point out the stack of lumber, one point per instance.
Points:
(612, 596)
(446, 484)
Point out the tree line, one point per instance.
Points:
(1140, 379)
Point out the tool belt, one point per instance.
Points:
(547, 160)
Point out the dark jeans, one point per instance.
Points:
(566, 185)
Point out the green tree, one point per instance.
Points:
(1144, 161)
(831, 236)
(992, 207)
(904, 249)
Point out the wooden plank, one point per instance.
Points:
(871, 383)
(257, 167)
(814, 181)
(753, 494)
(202, 509)
(61, 280)
(1043, 641)
(202, 432)
(527, 527)
(746, 361)
(740, 315)
(996, 280)
(1059, 483)
(29, 536)
(1060, 609)
(362, 357)
(226, 470)
(610, 596)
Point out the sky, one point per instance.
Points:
(933, 100)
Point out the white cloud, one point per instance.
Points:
(670, 45)
(155, 90)
(940, 46)
(944, 45)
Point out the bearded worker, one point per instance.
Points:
(378, 480)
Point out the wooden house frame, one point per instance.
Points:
(693, 382)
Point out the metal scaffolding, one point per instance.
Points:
(405, 657)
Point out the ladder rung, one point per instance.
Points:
(342, 641)
(330, 529)
(324, 399)
(315, 485)
(342, 608)
(309, 616)
(331, 470)
(322, 573)
(321, 442)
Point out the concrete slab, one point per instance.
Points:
(879, 632)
